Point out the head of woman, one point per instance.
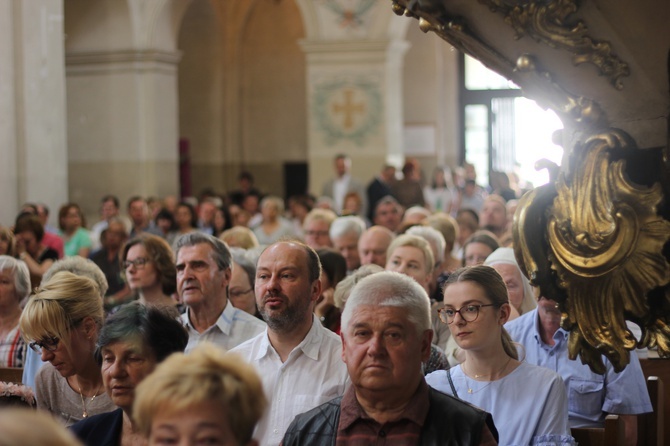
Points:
(165, 221)
(208, 395)
(478, 247)
(132, 342)
(353, 204)
(240, 237)
(519, 290)
(271, 208)
(29, 233)
(476, 307)
(185, 216)
(70, 218)
(7, 242)
(411, 255)
(14, 283)
(148, 261)
(334, 267)
(62, 321)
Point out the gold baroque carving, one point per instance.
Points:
(550, 23)
(599, 252)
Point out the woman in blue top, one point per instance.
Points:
(528, 403)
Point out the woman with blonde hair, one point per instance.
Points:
(240, 237)
(148, 265)
(273, 226)
(61, 322)
(7, 242)
(528, 403)
(210, 396)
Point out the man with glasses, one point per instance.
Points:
(204, 269)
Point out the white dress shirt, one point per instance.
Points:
(312, 375)
(233, 327)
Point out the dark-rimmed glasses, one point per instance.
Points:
(469, 313)
(49, 344)
(138, 263)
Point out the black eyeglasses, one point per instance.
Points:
(138, 262)
(469, 313)
(49, 344)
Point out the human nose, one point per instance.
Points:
(460, 320)
(46, 355)
(116, 369)
(376, 346)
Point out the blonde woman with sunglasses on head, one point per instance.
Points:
(528, 403)
(61, 322)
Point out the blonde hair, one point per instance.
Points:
(207, 374)
(26, 426)
(416, 242)
(447, 226)
(60, 304)
(240, 237)
(319, 215)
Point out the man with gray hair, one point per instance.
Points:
(204, 269)
(386, 335)
(344, 233)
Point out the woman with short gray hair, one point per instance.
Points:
(14, 287)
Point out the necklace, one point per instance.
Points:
(467, 381)
(84, 414)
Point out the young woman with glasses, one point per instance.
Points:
(148, 264)
(528, 403)
(61, 322)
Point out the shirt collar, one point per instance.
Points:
(224, 322)
(415, 411)
(559, 336)
(309, 346)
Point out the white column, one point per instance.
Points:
(32, 106)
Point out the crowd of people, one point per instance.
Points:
(392, 311)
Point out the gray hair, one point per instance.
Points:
(220, 251)
(434, 238)
(344, 287)
(242, 258)
(346, 225)
(21, 275)
(390, 289)
(81, 267)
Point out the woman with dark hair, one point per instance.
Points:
(478, 247)
(148, 262)
(334, 270)
(165, 222)
(186, 220)
(30, 248)
(133, 341)
(528, 403)
(73, 231)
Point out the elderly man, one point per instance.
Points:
(203, 275)
(386, 335)
(373, 244)
(591, 396)
(345, 233)
(296, 357)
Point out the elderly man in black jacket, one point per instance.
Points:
(386, 335)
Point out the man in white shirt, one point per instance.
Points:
(204, 268)
(344, 183)
(298, 360)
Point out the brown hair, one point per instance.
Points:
(494, 287)
(62, 213)
(160, 253)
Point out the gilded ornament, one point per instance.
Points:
(599, 252)
(552, 23)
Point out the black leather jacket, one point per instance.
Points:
(450, 421)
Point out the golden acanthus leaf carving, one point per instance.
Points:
(551, 22)
(603, 240)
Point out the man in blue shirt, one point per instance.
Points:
(591, 396)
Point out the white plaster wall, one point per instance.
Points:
(33, 104)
